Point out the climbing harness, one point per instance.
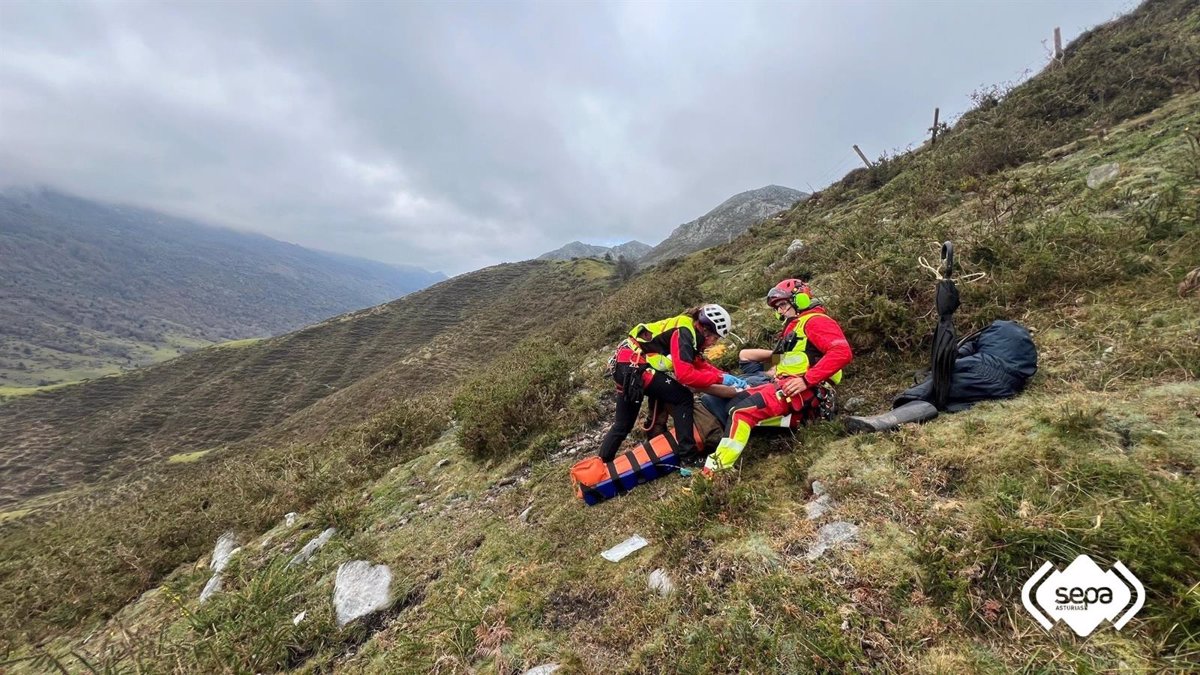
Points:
(824, 404)
(631, 387)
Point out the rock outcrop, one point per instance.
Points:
(360, 589)
(630, 250)
(731, 218)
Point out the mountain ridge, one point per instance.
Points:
(116, 287)
(630, 250)
(227, 394)
(727, 220)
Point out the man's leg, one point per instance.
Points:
(745, 412)
(718, 407)
(754, 373)
(751, 368)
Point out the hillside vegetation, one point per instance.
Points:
(1101, 455)
(295, 386)
(93, 289)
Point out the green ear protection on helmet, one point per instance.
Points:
(794, 291)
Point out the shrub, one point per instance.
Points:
(625, 268)
(409, 424)
(519, 396)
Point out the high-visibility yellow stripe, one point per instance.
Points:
(784, 421)
(731, 447)
(660, 362)
(794, 363)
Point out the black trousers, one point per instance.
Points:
(662, 388)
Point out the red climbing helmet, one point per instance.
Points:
(793, 290)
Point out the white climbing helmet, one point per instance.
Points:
(716, 319)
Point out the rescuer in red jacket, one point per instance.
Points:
(664, 361)
(812, 351)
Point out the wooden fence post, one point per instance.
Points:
(863, 157)
(934, 128)
(1058, 50)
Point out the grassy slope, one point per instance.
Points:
(1096, 458)
(52, 368)
(339, 371)
(162, 515)
(1099, 457)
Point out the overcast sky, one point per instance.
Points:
(458, 135)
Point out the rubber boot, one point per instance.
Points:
(913, 411)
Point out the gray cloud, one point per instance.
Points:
(458, 135)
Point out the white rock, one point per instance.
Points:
(818, 488)
(442, 463)
(289, 519)
(312, 546)
(223, 551)
(618, 552)
(544, 670)
(660, 583)
(213, 586)
(299, 617)
(833, 535)
(1105, 173)
(818, 507)
(360, 588)
(524, 517)
(795, 247)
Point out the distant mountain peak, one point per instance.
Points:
(729, 219)
(631, 250)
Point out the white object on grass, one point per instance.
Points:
(623, 549)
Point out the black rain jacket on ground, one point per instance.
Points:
(994, 363)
